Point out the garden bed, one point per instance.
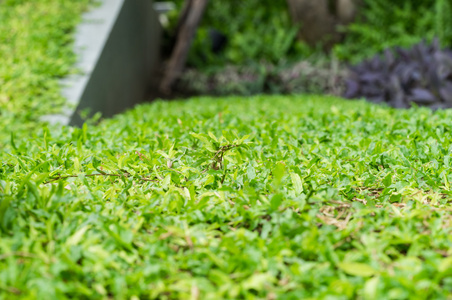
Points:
(269, 197)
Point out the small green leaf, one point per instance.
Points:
(213, 136)
(357, 269)
(276, 201)
(371, 288)
(205, 139)
(278, 173)
(77, 236)
(200, 137)
(13, 144)
(251, 172)
(445, 265)
(387, 181)
(297, 183)
(446, 181)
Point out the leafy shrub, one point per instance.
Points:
(256, 30)
(421, 75)
(384, 23)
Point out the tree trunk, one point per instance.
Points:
(187, 25)
(319, 19)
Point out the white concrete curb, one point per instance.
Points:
(117, 47)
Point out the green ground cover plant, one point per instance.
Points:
(216, 198)
(35, 51)
(268, 197)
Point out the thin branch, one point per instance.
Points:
(11, 290)
(191, 16)
(18, 254)
(218, 157)
(93, 175)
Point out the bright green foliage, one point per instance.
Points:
(234, 198)
(35, 51)
(384, 23)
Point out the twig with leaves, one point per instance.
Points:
(217, 160)
(125, 174)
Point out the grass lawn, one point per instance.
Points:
(234, 198)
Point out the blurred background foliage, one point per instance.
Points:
(262, 44)
(256, 30)
(263, 30)
(382, 24)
